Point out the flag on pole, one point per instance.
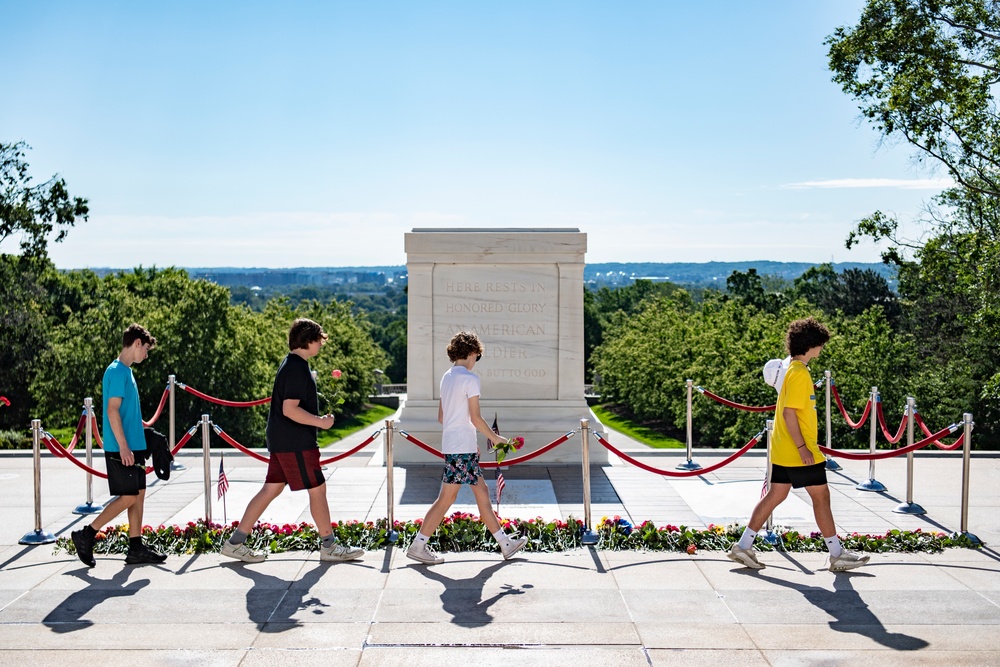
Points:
(223, 484)
(499, 477)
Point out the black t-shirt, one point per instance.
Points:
(294, 380)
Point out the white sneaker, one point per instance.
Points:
(242, 552)
(847, 560)
(746, 557)
(511, 547)
(338, 552)
(424, 554)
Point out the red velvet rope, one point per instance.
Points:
(679, 473)
(843, 411)
(95, 427)
(492, 464)
(219, 401)
(57, 449)
(260, 457)
(731, 404)
(843, 453)
(923, 427)
(159, 408)
(885, 429)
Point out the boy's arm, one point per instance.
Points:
(792, 423)
(480, 423)
(440, 412)
(115, 420)
(291, 409)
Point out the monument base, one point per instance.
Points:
(538, 422)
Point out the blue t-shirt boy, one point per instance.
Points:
(119, 382)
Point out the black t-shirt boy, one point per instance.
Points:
(293, 381)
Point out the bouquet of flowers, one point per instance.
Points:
(507, 446)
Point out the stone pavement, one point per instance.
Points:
(583, 607)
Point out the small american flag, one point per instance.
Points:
(500, 481)
(223, 484)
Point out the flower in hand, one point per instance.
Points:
(337, 399)
(507, 446)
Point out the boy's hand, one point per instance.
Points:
(497, 439)
(326, 421)
(807, 456)
(128, 458)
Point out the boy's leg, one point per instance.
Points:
(840, 559)
(258, 504)
(774, 497)
(135, 514)
(508, 546)
(111, 510)
(446, 498)
(329, 550)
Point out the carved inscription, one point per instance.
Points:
(514, 310)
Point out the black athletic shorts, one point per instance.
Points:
(126, 480)
(799, 476)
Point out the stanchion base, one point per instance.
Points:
(769, 536)
(174, 465)
(833, 466)
(688, 465)
(37, 537)
(871, 485)
(588, 538)
(909, 508)
(972, 538)
(392, 536)
(88, 508)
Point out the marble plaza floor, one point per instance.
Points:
(583, 607)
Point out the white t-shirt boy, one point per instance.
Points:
(458, 435)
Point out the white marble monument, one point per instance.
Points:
(521, 291)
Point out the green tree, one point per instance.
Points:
(33, 212)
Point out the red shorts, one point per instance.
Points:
(299, 470)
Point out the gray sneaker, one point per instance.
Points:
(242, 552)
(338, 552)
(746, 557)
(847, 560)
(512, 547)
(424, 554)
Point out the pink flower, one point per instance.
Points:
(5, 401)
(336, 373)
(692, 549)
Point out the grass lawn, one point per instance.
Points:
(373, 414)
(647, 435)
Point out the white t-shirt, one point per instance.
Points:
(458, 435)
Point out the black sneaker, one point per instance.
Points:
(143, 556)
(84, 544)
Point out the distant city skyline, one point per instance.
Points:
(319, 133)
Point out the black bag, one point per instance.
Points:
(156, 445)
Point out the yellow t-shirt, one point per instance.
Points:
(797, 392)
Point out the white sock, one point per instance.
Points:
(501, 537)
(746, 539)
(420, 539)
(834, 546)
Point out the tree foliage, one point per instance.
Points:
(33, 212)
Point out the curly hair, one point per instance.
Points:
(804, 335)
(303, 332)
(464, 344)
(136, 332)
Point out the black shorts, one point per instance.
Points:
(799, 476)
(125, 480)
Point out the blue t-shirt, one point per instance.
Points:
(119, 382)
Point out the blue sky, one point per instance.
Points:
(318, 133)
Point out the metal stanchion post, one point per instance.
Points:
(768, 534)
(88, 416)
(37, 536)
(831, 463)
(588, 537)
(206, 455)
(872, 484)
(909, 507)
(172, 433)
(689, 464)
(967, 424)
(390, 520)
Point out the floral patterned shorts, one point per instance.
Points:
(461, 468)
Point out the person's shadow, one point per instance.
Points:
(69, 615)
(465, 603)
(273, 601)
(850, 612)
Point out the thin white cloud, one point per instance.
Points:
(898, 183)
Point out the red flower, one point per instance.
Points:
(336, 374)
(5, 401)
(692, 549)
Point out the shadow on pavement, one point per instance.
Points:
(69, 615)
(465, 603)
